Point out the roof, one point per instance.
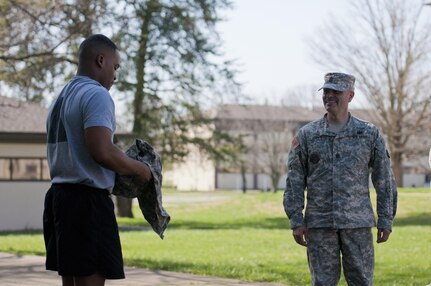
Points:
(21, 117)
(26, 121)
(261, 118)
(280, 113)
(267, 112)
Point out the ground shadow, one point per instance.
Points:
(422, 219)
(264, 223)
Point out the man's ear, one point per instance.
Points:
(352, 94)
(100, 60)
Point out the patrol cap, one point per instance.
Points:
(339, 81)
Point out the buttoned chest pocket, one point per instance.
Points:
(354, 150)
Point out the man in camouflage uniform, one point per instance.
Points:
(332, 159)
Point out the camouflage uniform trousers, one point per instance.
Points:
(325, 245)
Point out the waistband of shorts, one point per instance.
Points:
(72, 186)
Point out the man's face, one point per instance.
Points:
(109, 69)
(336, 101)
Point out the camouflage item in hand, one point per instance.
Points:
(149, 195)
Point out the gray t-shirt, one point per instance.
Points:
(82, 103)
(336, 127)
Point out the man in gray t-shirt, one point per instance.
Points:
(80, 230)
(83, 103)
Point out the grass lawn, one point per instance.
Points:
(247, 236)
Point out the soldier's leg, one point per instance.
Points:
(323, 253)
(358, 256)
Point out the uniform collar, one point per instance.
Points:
(324, 127)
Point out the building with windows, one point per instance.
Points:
(268, 131)
(24, 172)
(24, 175)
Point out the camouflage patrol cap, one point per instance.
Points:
(339, 81)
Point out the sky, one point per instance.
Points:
(267, 38)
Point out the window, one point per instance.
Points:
(24, 169)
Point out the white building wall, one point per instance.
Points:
(229, 181)
(22, 150)
(263, 182)
(21, 205)
(234, 181)
(282, 182)
(196, 173)
(414, 180)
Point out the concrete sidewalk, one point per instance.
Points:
(30, 271)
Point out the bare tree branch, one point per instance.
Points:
(386, 46)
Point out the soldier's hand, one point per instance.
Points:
(383, 235)
(300, 234)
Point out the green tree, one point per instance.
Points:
(171, 69)
(39, 40)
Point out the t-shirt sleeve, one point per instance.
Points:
(99, 110)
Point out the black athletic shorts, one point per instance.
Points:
(81, 232)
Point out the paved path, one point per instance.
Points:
(30, 271)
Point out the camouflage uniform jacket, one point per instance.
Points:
(149, 195)
(334, 169)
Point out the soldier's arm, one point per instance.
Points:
(384, 183)
(293, 199)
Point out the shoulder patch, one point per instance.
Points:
(295, 142)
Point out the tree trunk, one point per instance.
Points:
(124, 207)
(244, 180)
(274, 181)
(397, 163)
